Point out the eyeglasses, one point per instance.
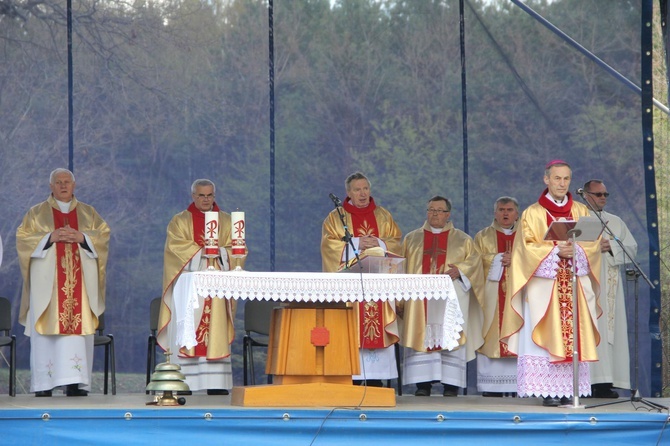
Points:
(437, 211)
(599, 194)
(203, 196)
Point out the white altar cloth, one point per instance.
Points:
(313, 287)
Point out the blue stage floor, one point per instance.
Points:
(465, 420)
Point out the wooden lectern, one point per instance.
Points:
(313, 353)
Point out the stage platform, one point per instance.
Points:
(463, 420)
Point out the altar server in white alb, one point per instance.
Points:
(62, 245)
(613, 366)
(207, 365)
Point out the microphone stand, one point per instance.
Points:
(347, 239)
(631, 274)
(574, 233)
(609, 232)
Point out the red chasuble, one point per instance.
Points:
(202, 331)
(563, 273)
(371, 320)
(68, 272)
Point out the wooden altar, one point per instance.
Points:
(313, 349)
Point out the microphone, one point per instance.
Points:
(336, 201)
(580, 192)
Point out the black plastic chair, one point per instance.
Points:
(7, 339)
(106, 340)
(154, 310)
(257, 316)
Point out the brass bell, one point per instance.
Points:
(167, 379)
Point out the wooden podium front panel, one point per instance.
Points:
(341, 356)
(314, 342)
(312, 355)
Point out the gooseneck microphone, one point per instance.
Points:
(580, 191)
(336, 201)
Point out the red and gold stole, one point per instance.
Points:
(371, 319)
(563, 274)
(434, 260)
(363, 220)
(504, 243)
(68, 272)
(202, 332)
(434, 252)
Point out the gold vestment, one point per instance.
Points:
(486, 242)
(332, 248)
(36, 224)
(528, 252)
(461, 253)
(180, 248)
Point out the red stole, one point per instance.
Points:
(434, 261)
(202, 331)
(363, 220)
(68, 272)
(371, 315)
(434, 252)
(563, 274)
(198, 218)
(505, 243)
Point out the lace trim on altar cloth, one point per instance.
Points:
(537, 376)
(443, 336)
(444, 324)
(322, 287)
(184, 327)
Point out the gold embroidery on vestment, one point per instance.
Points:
(202, 334)
(365, 229)
(69, 318)
(564, 285)
(371, 328)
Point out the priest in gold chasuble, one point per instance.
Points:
(538, 318)
(439, 248)
(371, 226)
(207, 365)
(496, 366)
(62, 246)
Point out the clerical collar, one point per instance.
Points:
(63, 206)
(435, 230)
(557, 203)
(508, 231)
